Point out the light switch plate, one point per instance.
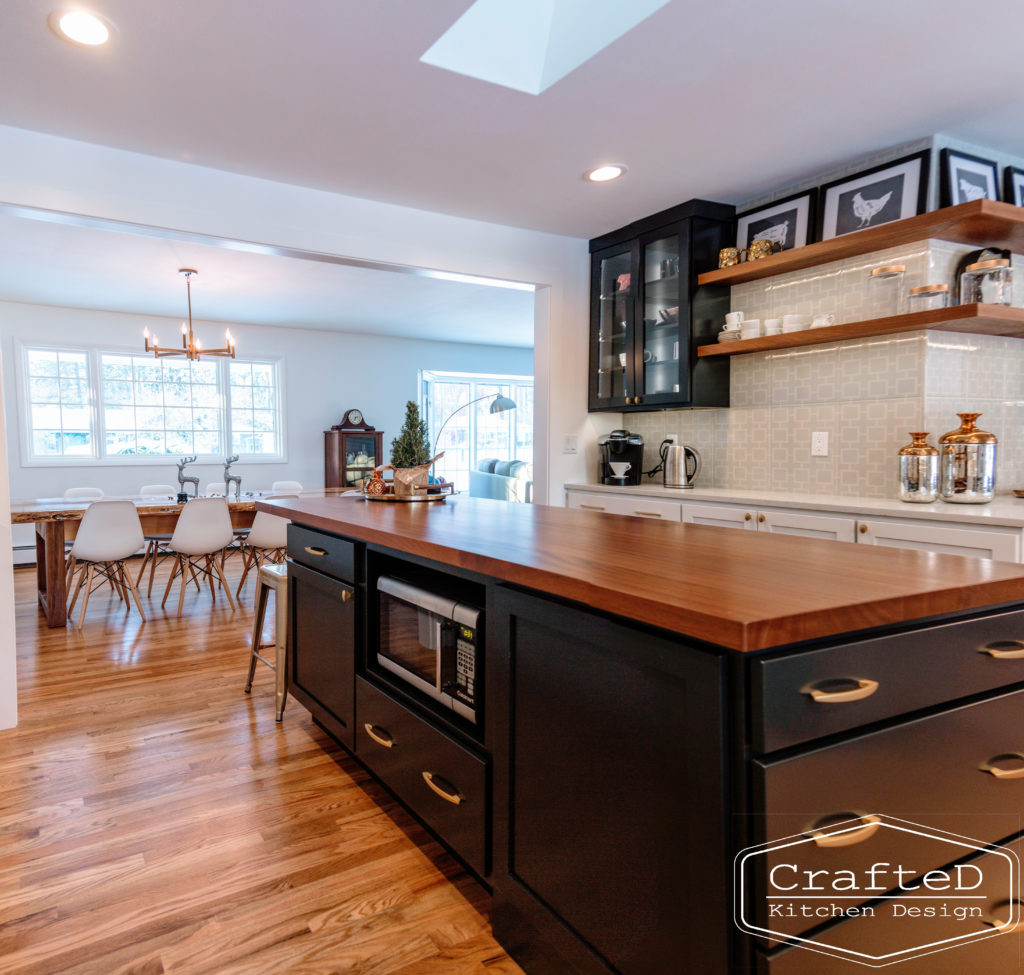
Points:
(570, 445)
(819, 444)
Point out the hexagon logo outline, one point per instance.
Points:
(742, 901)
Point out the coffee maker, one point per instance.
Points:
(621, 447)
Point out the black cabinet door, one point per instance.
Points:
(609, 807)
(612, 327)
(322, 633)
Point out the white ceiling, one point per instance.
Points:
(721, 101)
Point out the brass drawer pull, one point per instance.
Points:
(747, 516)
(993, 921)
(865, 688)
(592, 507)
(376, 734)
(313, 550)
(452, 796)
(648, 514)
(862, 528)
(761, 519)
(1004, 773)
(850, 835)
(1005, 649)
(346, 595)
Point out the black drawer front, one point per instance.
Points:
(326, 553)
(912, 670)
(926, 772)
(417, 748)
(886, 933)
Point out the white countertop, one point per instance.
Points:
(1005, 510)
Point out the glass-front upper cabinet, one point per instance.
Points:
(659, 336)
(612, 327)
(648, 315)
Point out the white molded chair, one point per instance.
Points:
(215, 489)
(202, 533)
(110, 532)
(83, 494)
(156, 544)
(266, 542)
(285, 486)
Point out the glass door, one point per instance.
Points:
(612, 336)
(659, 337)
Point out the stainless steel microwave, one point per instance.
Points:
(431, 642)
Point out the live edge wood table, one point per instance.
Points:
(659, 699)
(57, 520)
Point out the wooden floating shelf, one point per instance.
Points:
(972, 319)
(982, 223)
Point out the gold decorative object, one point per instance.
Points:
(408, 484)
(759, 249)
(191, 347)
(728, 256)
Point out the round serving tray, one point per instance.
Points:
(442, 492)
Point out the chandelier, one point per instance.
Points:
(191, 347)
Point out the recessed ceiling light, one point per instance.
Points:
(605, 173)
(80, 27)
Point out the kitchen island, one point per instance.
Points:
(659, 697)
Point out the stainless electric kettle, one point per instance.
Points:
(681, 464)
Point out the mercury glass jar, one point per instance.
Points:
(967, 463)
(919, 470)
(990, 282)
(928, 297)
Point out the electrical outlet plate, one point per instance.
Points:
(571, 444)
(819, 444)
(672, 437)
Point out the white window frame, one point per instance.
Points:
(95, 354)
(427, 376)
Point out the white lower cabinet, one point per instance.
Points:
(837, 528)
(985, 543)
(625, 504)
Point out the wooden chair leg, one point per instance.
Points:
(88, 590)
(78, 588)
(247, 557)
(152, 566)
(224, 584)
(170, 580)
(126, 581)
(150, 554)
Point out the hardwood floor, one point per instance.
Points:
(155, 819)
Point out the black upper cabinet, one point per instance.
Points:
(648, 315)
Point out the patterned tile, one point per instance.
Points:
(804, 375)
(793, 467)
(882, 367)
(871, 433)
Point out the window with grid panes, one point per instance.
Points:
(60, 417)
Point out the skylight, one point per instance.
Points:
(528, 45)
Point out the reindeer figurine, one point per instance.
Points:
(182, 480)
(230, 478)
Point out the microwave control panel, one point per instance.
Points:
(465, 662)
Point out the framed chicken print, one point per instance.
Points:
(963, 178)
(893, 191)
(1013, 186)
(788, 223)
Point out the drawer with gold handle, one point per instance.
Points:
(854, 689)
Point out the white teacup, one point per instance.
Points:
(823, 321)
(751, 328)
(619, 468)
(773, 326)
(733, 319)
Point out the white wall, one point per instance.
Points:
(8, 658)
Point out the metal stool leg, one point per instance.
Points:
(257, 631)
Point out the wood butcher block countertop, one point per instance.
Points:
(737, 589)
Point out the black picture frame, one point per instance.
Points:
(792, 221)
(894, 191)
(963, 177)
(1013, 185)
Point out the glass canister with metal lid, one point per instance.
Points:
(919, 470)
(990, 282)
(967, 463)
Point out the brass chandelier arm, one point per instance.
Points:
(190, 347)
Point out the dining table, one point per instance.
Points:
(57, 521)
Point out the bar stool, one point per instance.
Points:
(272, 577)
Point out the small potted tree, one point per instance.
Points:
(411, 447)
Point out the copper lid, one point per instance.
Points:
(985, 265)
(919, 448)
(968, 432)
(888, 271)
(929, 289)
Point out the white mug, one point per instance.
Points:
(619, 468)
(751, 328)
(733, 319)
(773, 326)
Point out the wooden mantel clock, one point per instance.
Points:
(352, 449)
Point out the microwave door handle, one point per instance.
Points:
(447, 654)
